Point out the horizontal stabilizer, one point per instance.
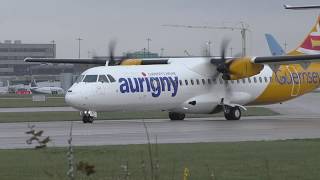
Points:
(301, 7)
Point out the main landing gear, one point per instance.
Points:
(232, 113)
(176, 116)
(88, 116)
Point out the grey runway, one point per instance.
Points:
(304, 105)
(299, 119)
(189, 131)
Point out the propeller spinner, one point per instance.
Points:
(222, 64)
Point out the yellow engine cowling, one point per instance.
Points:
(243, 68)
(128, 62)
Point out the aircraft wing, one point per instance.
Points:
(67, 61)
(282, 60)
(95, 61)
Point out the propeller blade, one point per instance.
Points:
(224, 48)
(227, 87)
(112, 46)
(215, 76)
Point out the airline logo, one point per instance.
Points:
(311, 45)
(298, 78)
(315, 41)
(153, 84)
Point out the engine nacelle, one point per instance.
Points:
(129, 62)
(243, 68)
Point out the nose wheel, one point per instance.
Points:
(88, 116)
(176, 116)
(87, 119)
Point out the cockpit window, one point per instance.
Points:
(103, 78)
(90, 78)
(79, 79)
(111, 78)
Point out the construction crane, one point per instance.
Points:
(243, 30)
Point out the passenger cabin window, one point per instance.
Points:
(198, 82)
(249, 80)
(265, 79)
(111, 78)
(192, 82)
(180, 82)
(214, 81)
(90, 78)
(186, 82)
(209, 81)
(255, 80)
(203, 81)
(103, 79)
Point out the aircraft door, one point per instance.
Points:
(295, 80)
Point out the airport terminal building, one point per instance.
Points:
(13, 53)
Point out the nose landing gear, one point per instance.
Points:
(88, 116)
(176, 116)
(87, 119)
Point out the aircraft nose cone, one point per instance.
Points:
(68, 98)
(72, 99)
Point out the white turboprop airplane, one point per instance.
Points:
(203, 85)
(35, 89)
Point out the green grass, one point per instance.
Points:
(68, 116)
(276, 160)
(26, 101)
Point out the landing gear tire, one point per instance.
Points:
(232, 113)
(176, 116)
(87, 119)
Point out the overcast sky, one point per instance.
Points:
(131, 22)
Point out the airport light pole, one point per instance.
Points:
(144, 52)
(53, 48)
(148, 41)
(209, 47)
(231, 51)
(285, 46)
(79, 39)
